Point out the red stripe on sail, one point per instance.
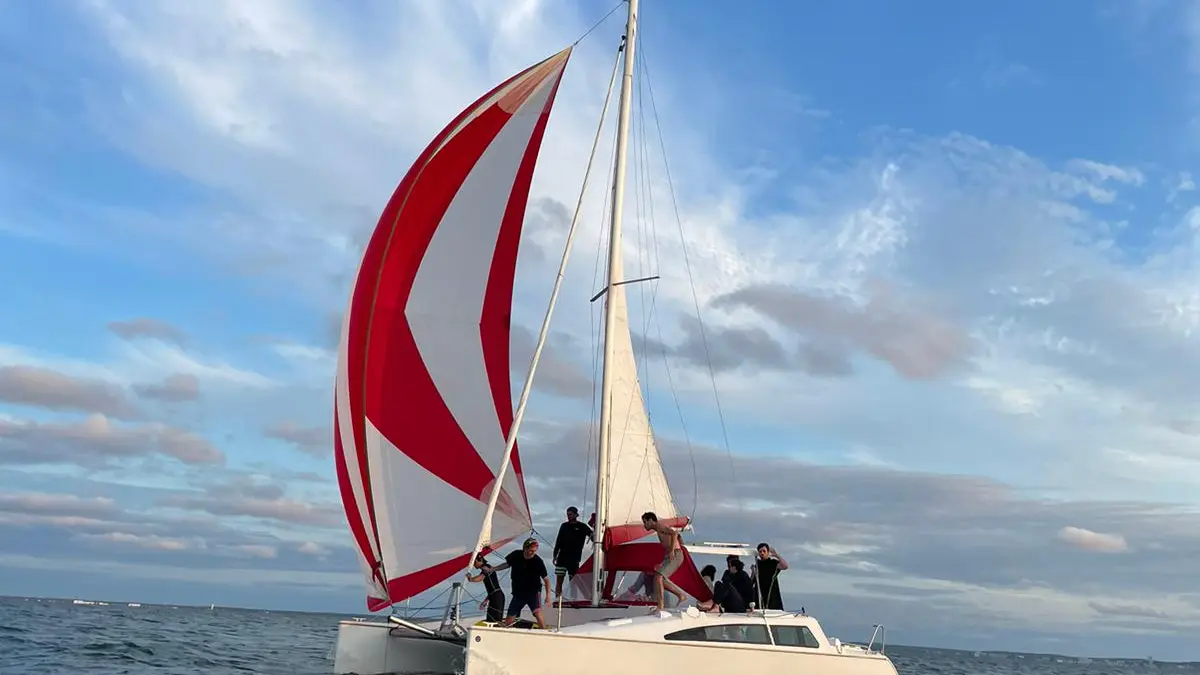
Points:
(422, 580)
(623, 534)
(353, 517)
(645, 557)
(397, 392)
(496, 320)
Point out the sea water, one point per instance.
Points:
(56, 637)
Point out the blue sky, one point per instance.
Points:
(946, 255)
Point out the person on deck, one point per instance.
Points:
(735, 575)
(672, 545)
(568, 548)
(765, 576)
(641, 590)
(493, 601)
(725, 597)
(526, 571)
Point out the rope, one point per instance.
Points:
(597, 25)
(658, 324)
(594, 319)
(691, 280)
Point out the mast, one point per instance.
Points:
(614, 264)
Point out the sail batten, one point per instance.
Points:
(423, 396)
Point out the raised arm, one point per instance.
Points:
(782, 563)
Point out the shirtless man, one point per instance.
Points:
(672, 558)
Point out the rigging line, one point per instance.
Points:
(587, 465)
(647, 255)
(663, 343)
(645, 225)
(691, 282)
(597, 24)
(654, 296)
(643, 376)
(432, 600)
(595, 325)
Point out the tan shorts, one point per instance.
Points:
(671, 562)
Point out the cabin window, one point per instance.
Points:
(753, 634)
(794, 636)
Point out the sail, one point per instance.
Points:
(636, 480)
(423, 398)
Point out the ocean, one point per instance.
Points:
(53, 637)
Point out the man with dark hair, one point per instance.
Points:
(568, 548)
(493, 599)
(672, 558)
(765, 576)
(725, 597)
(527, 569)
(735, 575)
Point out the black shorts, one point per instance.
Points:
(495, 607)
(568, 567)
(530, 599)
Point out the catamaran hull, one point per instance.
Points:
(377, 648)
(496, 652)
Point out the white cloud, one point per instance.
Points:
(131, 363)
(146, 541)
(285, 102)
(1093, 541)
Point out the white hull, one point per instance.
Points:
(376, 648)
(379, 648)
(638, 648)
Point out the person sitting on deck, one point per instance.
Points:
(568, 549)
(735, 574)
(527, 569)
(765, 576)
(493, 599)
(725, 596)
(672, 545)
(642, 589)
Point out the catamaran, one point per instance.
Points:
(425, 432)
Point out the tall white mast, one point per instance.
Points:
(614, 263)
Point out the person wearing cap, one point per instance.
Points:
(526, 570)
(493, 601)
(568, 548)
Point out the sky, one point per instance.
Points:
(945, 257)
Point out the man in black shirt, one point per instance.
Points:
(526, 570)
(568, 548)
(725, 595)
(765, 576)
(735, 574)
(493, 600)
